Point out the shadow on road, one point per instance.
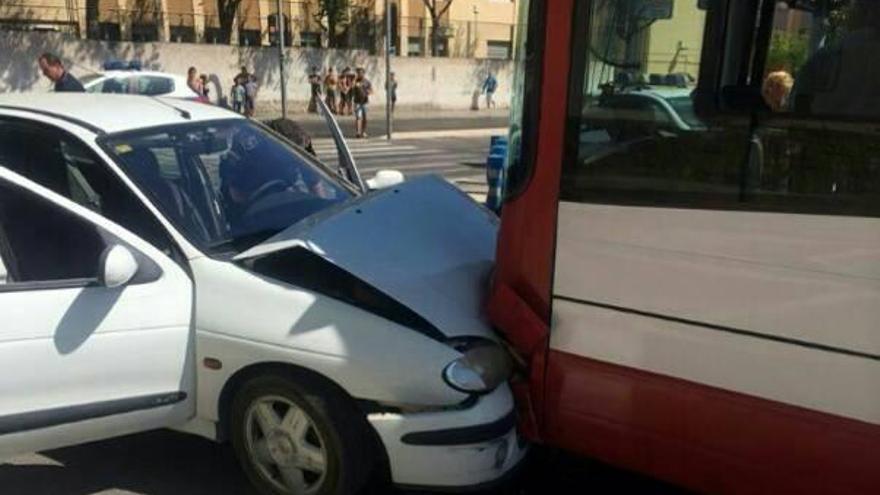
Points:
(168, 463)
(157, 463)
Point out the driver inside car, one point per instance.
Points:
(249, 172)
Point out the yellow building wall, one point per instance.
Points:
(48, 11)
(686, 26)
(468, 33)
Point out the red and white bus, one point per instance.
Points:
(698, 302)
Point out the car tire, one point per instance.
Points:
(294, 435)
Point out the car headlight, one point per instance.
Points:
(482, 367)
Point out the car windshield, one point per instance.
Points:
(86, 79)
(227, 185)
(684, 107)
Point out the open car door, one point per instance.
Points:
(347, 167)
(96, 339)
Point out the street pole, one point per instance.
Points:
(476, 37)
(280, 26)
(388, 122)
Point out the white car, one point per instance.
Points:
(188, 269)
(136, 82)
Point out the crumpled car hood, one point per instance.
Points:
(424, 243)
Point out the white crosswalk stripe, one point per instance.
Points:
(460, 161)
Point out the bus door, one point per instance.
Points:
(716, 291)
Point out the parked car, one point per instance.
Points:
(666, 107)
(171, 264)
(136, 82)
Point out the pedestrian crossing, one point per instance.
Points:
(459, 160)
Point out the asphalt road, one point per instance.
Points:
(404, 123)
(453, 157)
(169, 463)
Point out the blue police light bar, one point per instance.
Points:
(120, 65)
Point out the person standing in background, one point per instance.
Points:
(238, 95)
(243, 75)
(330, 84)
(250, 96)
(393, 90)
(315, 85)
(194, 82)
(361, 92)
(52, 67)
(344, 92)
(204, 83)
(490, 85)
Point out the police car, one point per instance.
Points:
(128, 78)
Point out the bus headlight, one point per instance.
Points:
(482, 367)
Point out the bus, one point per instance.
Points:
(688, 261)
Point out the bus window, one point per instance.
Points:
(819, 147)
(640, 141)
(523, 101)
(816, 61)
(814, 149)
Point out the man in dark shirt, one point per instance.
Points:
(361, 92)
(53, 69)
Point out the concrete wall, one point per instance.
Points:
(423, 82)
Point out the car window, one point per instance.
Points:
(683, 106)
(87, 82)
(67, 166)
(154, 85)
(116, 85)
(40, 242)
(227, 184)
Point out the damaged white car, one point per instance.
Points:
(172, 264)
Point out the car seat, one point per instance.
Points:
(171, 197)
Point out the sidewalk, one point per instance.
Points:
(406, 120)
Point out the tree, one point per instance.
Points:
(226, 10)
(788, 51)
(436, 8)
(331, 15)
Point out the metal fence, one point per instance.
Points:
(411, 36)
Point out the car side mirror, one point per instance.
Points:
(385, 178)
(118, 266)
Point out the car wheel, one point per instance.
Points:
(296, 436)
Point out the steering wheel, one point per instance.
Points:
(276, 185)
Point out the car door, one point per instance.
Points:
(84, 355)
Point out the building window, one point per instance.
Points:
(498, 49)
(415, 46)
(183, 34)
(309, 39)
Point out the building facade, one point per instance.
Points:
(467, 28)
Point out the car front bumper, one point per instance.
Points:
(454, 449)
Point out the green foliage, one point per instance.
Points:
(333, 16)
(788, 51)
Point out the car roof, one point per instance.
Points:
(113, 73)
(110, 113)
(660, 91)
